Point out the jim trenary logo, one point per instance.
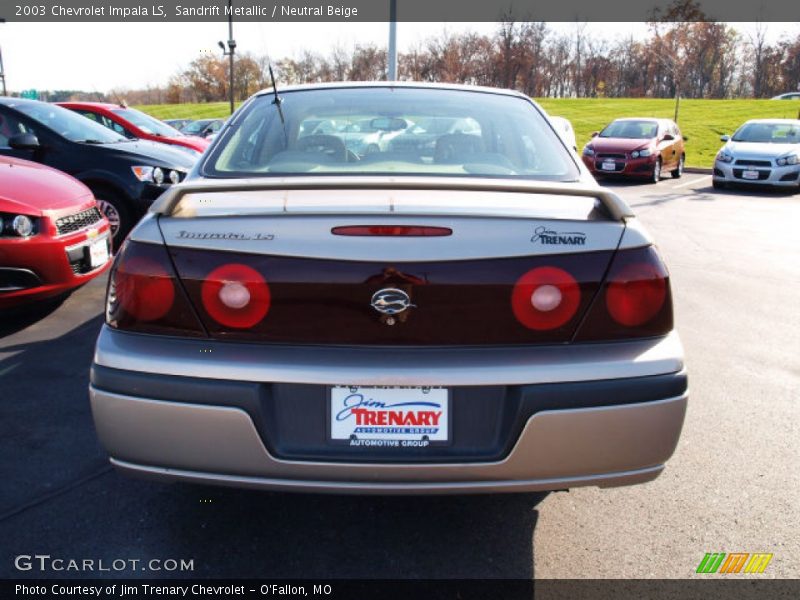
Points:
(736, 562)
(548, 237)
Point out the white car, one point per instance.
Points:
(564, 129)
(762, 151)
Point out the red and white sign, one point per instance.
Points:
(396, 416)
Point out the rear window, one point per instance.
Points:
(398, 131)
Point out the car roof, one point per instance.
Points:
(393, 84)
(653, 119)
(106, 105)
(774, 121)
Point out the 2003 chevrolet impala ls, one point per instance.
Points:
(390, 288)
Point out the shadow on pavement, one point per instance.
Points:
(46, 434)
(230, 533)
(16, 319)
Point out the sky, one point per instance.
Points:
(104, 56)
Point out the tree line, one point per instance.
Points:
(695, 59)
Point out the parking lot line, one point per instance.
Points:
(691, 182)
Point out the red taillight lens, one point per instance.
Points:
(392, 230)
(144, 287)
(144, 294)
(236, 296)
(634, 301)
(545, 298)
(636, 293)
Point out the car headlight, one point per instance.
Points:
(156, 175)
(724, 156)
(791, 159)
(588, 151)
(17, 225)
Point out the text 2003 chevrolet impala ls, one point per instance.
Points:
(469, 313)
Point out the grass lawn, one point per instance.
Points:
(701, 121)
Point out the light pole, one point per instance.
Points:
(391, 74)
(231, 50)
(2, 70)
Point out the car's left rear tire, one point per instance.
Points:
(676, 174)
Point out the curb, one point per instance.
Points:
(700, 170)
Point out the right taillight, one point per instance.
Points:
(144, 294)
(634, 300)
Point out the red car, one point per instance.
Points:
(641, 148)
(53, 237)
(133, 123)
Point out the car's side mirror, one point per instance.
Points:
(685, 138)
(24, 141)
(595, 133)
(724, 138)
(668, 137)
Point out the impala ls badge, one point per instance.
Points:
(391, 301)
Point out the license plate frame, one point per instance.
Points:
(608, 165)
(98, 253)
(750, 175)
(376, 399)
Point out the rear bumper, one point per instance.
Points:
(181, 426)
(609, 446)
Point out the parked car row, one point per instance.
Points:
(74, 179)
(760, 152)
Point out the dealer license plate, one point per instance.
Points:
(389, 416)
(608, 166)
(749, 174)
(98, 253)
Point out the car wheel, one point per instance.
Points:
(717, 184)
(117, 213)
(676, 174)
(656, 177)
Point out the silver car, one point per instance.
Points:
(762, 151)
(479, 316)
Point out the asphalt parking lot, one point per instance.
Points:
(732, 486)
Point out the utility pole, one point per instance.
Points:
(231, 50)
(391, 74)
(2, 70)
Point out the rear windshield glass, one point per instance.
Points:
(147, 123)
(406, 131)
(631, 129)
(768, 133)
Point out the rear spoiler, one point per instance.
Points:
(168, 204)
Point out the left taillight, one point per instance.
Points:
(145, 295)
